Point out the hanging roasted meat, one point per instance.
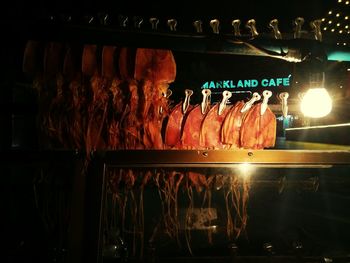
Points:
(111, 77)
(193, 122)
(258, 130)
(56, 88)
(231, 126)
(230, 130)
(53, 60)
(89, 60)
(210, 134)
(97, 131)
(175, 121)
(131, 123)
(155, 70)
(77, 109)
(33, 58)
(156, 65)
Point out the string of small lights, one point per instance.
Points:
(337, 21)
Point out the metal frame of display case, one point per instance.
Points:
(227, 158)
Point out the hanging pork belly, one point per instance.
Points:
(210, 133)
(176, 120)
(258, 130)
(193, 122)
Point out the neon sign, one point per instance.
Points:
(248, 83)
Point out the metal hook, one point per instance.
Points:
(316, 27)
(137, 21)
(283, 98)
(299, 21)
(236, 24)
(251, 24)
(225, 96)
(198, 26)
(172, 23)
(123, 20)
(274, 25)
(266, 94)
(154, 22)
(249, 104)
(186, 103)
(215, 24)
(205, 102)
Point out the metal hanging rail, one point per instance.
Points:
(292, 47)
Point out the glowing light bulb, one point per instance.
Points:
(346, 18)
(330, 22)
(316, 103)
(325, 28)
(346, 26)
(347, 2)
(330, 12)
(323, 19)
(337, 15)
(340, 31)
(339, 1)
(332, 29)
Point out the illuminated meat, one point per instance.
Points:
(156, 65)
(210, 136)
(190, 138)
(131, 122)
(259, 126)
(111, 76)
(231, 126)
(154, 70)
(175, 121)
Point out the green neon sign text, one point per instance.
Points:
(247, 83)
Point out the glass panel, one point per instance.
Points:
(176, 212)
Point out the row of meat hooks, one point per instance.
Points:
(137, 22)
(226, 95)
(315, 26)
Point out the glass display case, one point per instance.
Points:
(99, 97)
(286, 205)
